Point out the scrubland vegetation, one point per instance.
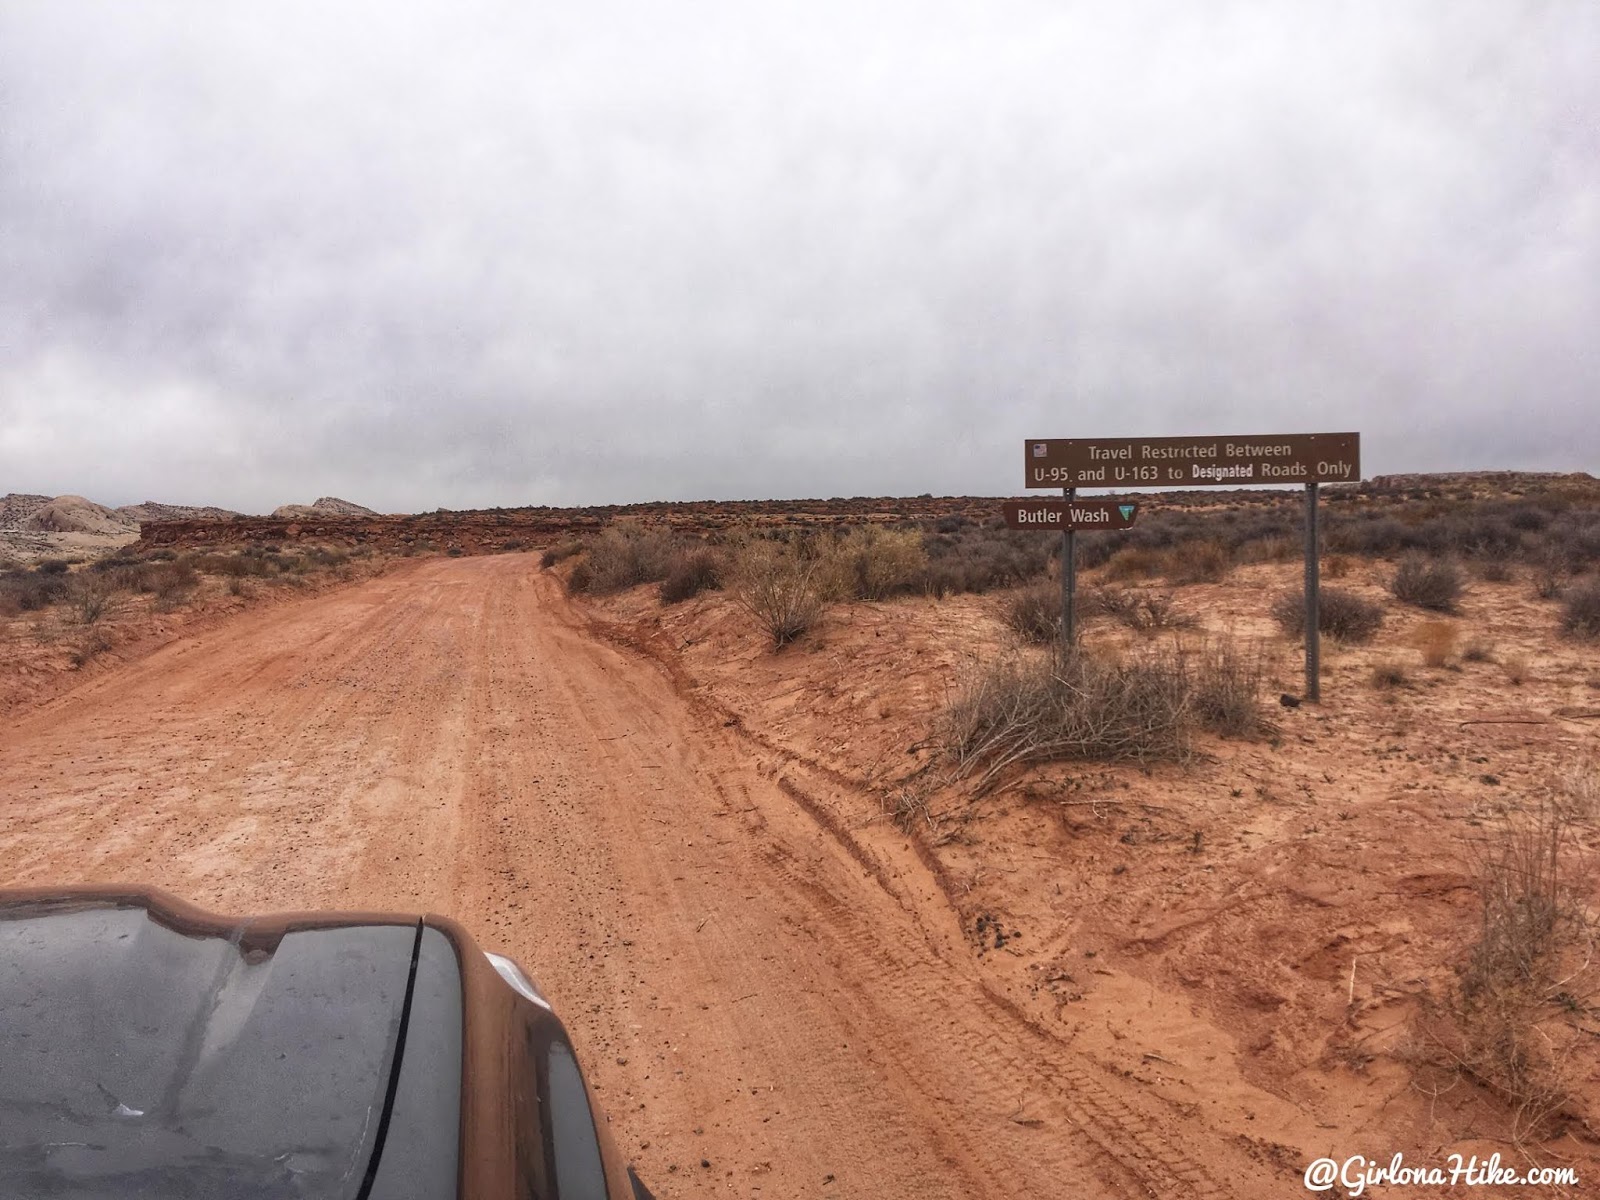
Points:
(787, 578)
(1506, 1022)
(58, 600)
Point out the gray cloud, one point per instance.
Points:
(476, 254)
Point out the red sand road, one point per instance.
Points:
(748, 985)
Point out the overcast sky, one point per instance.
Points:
(471, 254)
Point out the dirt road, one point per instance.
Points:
(770, 1005)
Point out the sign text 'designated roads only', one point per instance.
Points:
(1069, 514)
(1235, 461)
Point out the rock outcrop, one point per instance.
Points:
(74, 514)
(325, 506)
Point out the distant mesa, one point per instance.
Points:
(152, 510)
(17, 507)
(74, 514)
(326, 506)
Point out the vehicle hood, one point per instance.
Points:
(150, 1052)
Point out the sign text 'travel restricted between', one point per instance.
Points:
(1233, 461)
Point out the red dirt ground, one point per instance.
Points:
(680, 833)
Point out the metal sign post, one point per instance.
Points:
(1069, 515)
(1313, 632)
(1069, 579)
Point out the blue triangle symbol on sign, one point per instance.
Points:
(1126, 510)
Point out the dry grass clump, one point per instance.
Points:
(1529, 967)
(1431, 583)
(627, 554)
(1227, 682)
(907, 806)
(1389, 674)
(1437, 642)
(1578, 790)
(1516, 669)
(978, 559)
(30, 591)
(1492, 570)
(172, 582)
(1580, 610)
(1340, 614)
(560, 552)
(873, 563)
(96, 641)
(1477, 650)
(1197, 562)
(1133, 562)
(89, 597)
(1074, 705)
(1034, 613)
(1140, 609)
(1550, 569)
(782, 584)
(1272, 548)
(691, 572)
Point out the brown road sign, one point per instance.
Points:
(1244, 460)
(1069, 514)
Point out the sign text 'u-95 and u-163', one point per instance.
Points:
(1240, 461)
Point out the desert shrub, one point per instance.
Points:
(1477, 651)
(30, 591)
(1336, 566)
(333, 556)
(1034, 613)
(1151, 611)
(52, 566)
(983, 559)
(89, 597)
(1340, 614)
(228, 565)
(1532, 926)
(872, 563)
(581, 578)
(1272, 548)
(1067, 705)
(1437, 641)
(172, 582)
(1580, 610)
(1133, 562)
(692, 572)
(1114, 602)
(907, 807)
(560, 552)
(626, 554)
(1516, 667)
(1227, 682)
(96, 641)
(1430, 583)
(1372, 535)
(1197, 562)
(782, 585)
(1389, 674)
(1492, 570)
(1578, 790)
